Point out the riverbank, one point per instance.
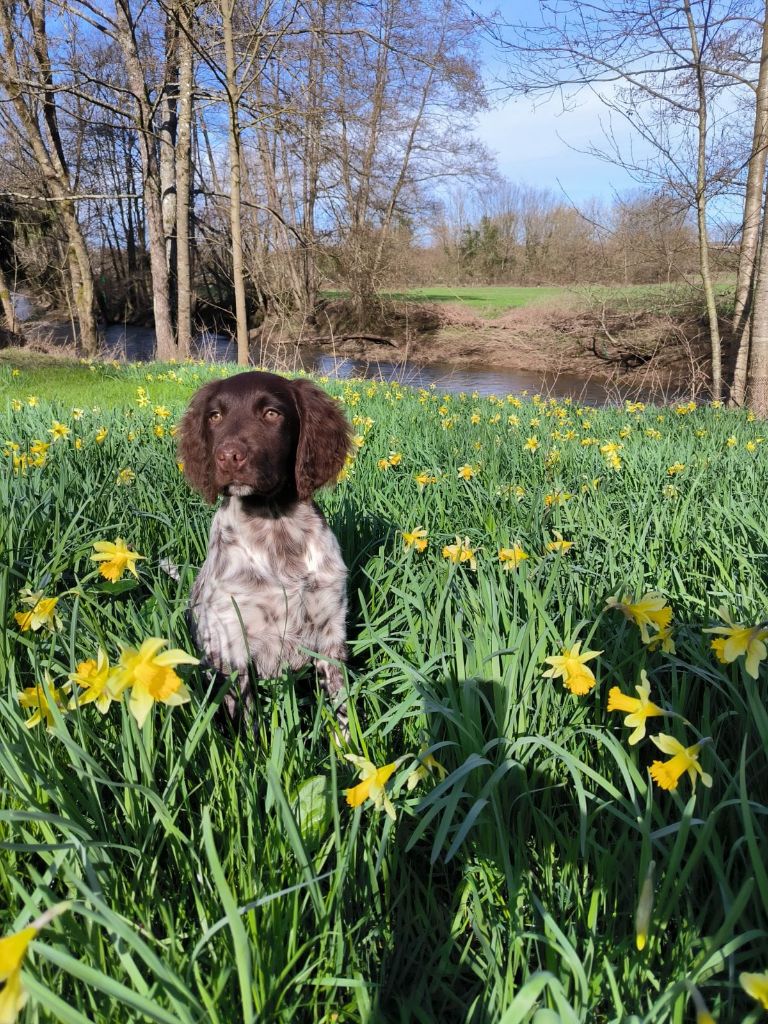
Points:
(647, 349)
(651, 341)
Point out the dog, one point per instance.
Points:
(272, 591)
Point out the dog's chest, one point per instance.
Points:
(278, 585)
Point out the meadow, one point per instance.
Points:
(518, 566)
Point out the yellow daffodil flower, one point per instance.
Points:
(531, 444)
(424, 479)
(372, 784)
(510, 558)
(570, 666)
(150, 677)
(125, 477)
(417, 538)
(101, 435)
(639, 708)
(673, 470)
(59, 431)
(736, 640)
(559, 545)
(13, 949)
(42, 613)
(94, 677)
(756, 986)
(115, 559)
(683, 759)
(650, 610)
(428, 765)
(36, 697)
(461, 551)
(466, 472)
(664, 640)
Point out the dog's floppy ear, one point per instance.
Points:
(323, 438)
(194, 450)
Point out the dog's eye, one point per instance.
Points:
(272, 414)
(214, 417)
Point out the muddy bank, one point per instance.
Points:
(638, 350)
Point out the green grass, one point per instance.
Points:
(488, 301)
(211, 879)
(494, 300)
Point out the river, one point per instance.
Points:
(137, 344)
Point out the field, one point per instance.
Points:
(538, 867)
(492, 301)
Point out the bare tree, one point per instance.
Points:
(26, 77)
(670, 69)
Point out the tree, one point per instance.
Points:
(670, 68)
(27, 78)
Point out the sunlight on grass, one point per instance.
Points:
(547, 860)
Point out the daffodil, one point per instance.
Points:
(42, 700)
(511, 558)
(101, 435)
(664, 640)
(639, 709)
(372, 784)
(424, 479)
(461, 551)
(428, 765)
(125, 477)
(94, 677)
(559, 545)
(13, 949)
(644, 908)
(150, 677)
(650, 610)
(736, 641)
(683, 759)
(570, 666)
(466, 472)
(42, 612)
(417, 538)
(756, 986)
(59, 431)
(532, 443)
(115, 559)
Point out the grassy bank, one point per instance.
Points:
(223, 877)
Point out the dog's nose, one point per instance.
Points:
(231, 456)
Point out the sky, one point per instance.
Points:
(543, 146)
(538, 143)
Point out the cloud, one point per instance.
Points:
(543, 145)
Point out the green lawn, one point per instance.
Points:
(220, 877)
(492, 301)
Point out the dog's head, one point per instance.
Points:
(262, 436)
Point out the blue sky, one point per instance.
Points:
(537, 144)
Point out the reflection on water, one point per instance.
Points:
(483, 380)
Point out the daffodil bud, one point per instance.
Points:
(644, 908)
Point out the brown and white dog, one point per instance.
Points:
(272, 590)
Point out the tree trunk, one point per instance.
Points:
(153, 210)
(7, 303)
(701, 211)
(183, 184)
(757, 390)
(750, 231)
(54, 174)
(235, 183)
